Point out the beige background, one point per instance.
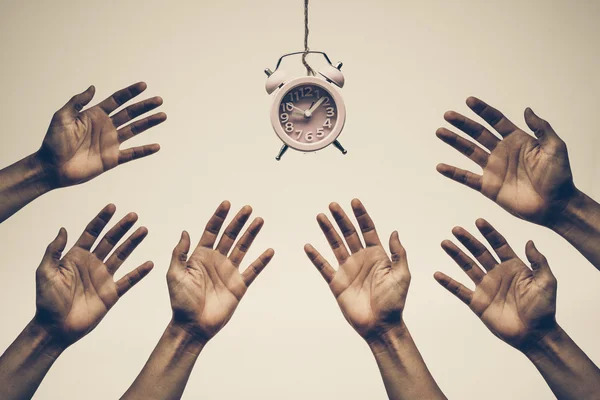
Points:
(405, 64)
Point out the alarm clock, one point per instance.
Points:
(308, 112)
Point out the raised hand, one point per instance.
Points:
(370, 288)
(528, 176)
(207, 287)
(515, 302)
(76, 291)
(80, 145)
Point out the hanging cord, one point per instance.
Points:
(309, 70)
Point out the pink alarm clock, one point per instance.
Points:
(308, 113)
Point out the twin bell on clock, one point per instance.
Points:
(308, 112)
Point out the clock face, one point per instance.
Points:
(308, 114)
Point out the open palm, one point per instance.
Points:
(206, 289)
(516, 303)
(76, 291)
(81, 145)
(370, 288)
(529, 177)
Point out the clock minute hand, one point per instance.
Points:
(316, 105)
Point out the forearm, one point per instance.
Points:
(25, 363)
(403, 370)
(21, 183)
(167, 370)
(565, 367)
(579, 224)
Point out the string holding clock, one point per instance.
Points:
(308, 112)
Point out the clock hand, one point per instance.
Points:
(316, 105)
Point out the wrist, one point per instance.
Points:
(42, 341)
(184, 338)
(544, 344)
(388, 337)
(43, 173)
(575, 215)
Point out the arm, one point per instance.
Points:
(68, 308)
(79, 146)
(20, 184)
(26, 362)
(528, 176)
(565, 367)
(518, 305)
(402, 368)
(579, 224)
(169, 367)
(205, 290)
(371, 292)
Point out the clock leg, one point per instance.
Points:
(339, 146)
(281, 152)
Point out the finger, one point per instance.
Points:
(56, 247)
(365, 223)
(475, 247)
(335, 241)
(121, 97)
(542, 130)
(140, 126)
(540, 266)
(243, 245)
(250, 274)
(469, 149)
(112, 237)
(464, 261)
(473, 129)
(398, 252)
(454, 287)
(77, 102)
(495, 118)
(125, 249)
(135, 153)
(93, 229)
(213, 227)
(321, 263)
(496, 240)
(346, 227)
(135, 110)
(132, 278)
(461, 176)
(180, 252)
(233, 230)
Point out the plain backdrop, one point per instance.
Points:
(405, 63)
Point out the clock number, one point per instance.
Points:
(309, 136)
(327, 123)
(308, 92)
(292, 96)
(289, 127)
(320, 132)
(287, 107)
(330, 111)
(284, 117)
(326, 102)
(317, 93)
(299, 132)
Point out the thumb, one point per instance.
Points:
(54, 250)
(180, 252)
(542, 130)
(77, 102)
(399, 259)
(539, 265)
